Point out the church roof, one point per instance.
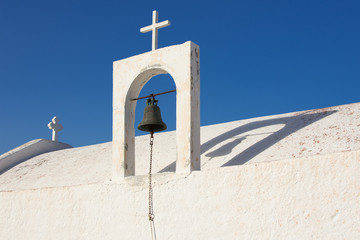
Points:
(258, 140)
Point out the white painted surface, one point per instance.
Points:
(154, 29)
(56, 127)
(307, 198)
(289, 176)
(28, 151)
(182, 62)
(264, 139)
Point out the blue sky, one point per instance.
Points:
(257, 58)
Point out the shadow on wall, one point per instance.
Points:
(292, 124)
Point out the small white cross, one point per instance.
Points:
(154, 28)
(56, 127)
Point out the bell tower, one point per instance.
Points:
(182, 62)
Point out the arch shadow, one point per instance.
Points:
(292, 124)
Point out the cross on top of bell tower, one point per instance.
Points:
(154, 28)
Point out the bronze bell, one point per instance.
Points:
(152, 121)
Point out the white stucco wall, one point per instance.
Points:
(270, 138)
(28, 151)
(306, 198)
(288, 176)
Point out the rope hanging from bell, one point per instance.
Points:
(152, 122)
(151, 207)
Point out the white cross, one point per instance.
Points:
(56, 127)
(154, 28)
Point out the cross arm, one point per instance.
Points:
(163, 24)
(146, 29)
(157, 25)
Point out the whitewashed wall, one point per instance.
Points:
(307, 198)
(28, 151)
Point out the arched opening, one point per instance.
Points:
(167, 102)
(164, 144)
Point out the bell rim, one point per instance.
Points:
(147, 128)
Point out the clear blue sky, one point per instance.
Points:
(257, 58)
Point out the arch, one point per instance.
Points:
(134, 90)
(129, 77)
(142, 78)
